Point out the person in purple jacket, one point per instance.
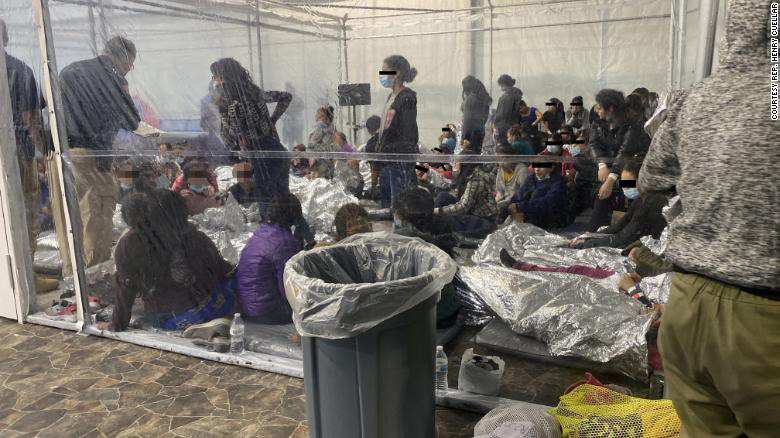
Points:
(261, 267)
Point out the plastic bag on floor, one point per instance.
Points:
(593, 411)
(518, 420)
(346, 289)
(480, 374)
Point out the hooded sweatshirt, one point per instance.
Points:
(507, 113)
(729, 229)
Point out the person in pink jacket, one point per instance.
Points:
(199, 193)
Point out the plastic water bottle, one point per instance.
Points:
(237, 334)
(442, 367)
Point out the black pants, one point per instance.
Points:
(602, 208)
(475, 136)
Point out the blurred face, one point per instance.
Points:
(541, 172)
(243, 173)
(124, 63)
(199, 177)
(551, 108)
(217, 78)
(566, 136)
(125, 175)
(575, 108)
(628, 176)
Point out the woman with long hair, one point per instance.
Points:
(175, 269)
(398, 133)
(248, 126)
(475, 109)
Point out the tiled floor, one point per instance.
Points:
(59, 384)
(55, 383)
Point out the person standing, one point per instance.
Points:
(508, 109)
(248, 126)
(719, 332)
(26, 105)
(97, 105)
(293, 119)
(475, 109)
(398, 132)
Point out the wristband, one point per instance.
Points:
(602, 165)
(613, 176)
(636, 293)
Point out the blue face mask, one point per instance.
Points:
(554, 149)
(386, 81)
(162, 182)
(574, 150)
(397, 224)
(199, 188)
(631, 193)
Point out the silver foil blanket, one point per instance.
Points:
(574, 315)
(320, 199)
(227, 227)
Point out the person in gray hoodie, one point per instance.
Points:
(720, 334)
(508, 109)
(476, 109)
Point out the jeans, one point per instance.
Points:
(395, 178)
(221, 304)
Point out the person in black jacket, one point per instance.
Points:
(97, 105)
(542, 200)
(642, 218)
(476, 109)
(508, 109)
(398, 132)
(372, 126)
(620, 137)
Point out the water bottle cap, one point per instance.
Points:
(439, 348)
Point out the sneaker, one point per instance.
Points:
(208, 330)
(219, 344)
(506, 259)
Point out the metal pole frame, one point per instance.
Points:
(249, 26)
(708, 22)
(259, 48)
(490, 73)
(19, 258)
(682, 28)
(61, 153)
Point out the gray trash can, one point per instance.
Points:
(366, 309)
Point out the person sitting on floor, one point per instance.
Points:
(175, 269)
(642, 218)
(509, 179)
(473, 211)
(243, 190)
(180, 183)
(300, 166)
(413, 217)
(542, 200)
(351, 219)
(515, 137)
(199, 193)
(261, 266)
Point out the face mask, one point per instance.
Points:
(631, 193)
(321, 124)
(543, 178)
(574, 150)
(554, 149)
(386, 81)
(505, 89)
(397, 224)
(179, 160)
(199, 188)
(162, 182)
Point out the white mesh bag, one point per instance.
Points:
(518, 420)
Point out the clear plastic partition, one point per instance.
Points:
(207, 141)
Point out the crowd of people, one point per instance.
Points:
(599, 167)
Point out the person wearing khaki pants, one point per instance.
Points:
(97, 192)
(97, 105)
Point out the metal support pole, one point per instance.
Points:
(92, 31)
(18, 259)
(249, 26)
(60, 141)
(672, 42)
(601, 75)
(103, 26)
(352, 112)
(259, 47)
(682, 27)
(490, 74)
(708, 21)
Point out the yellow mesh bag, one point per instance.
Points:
(595, 412)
